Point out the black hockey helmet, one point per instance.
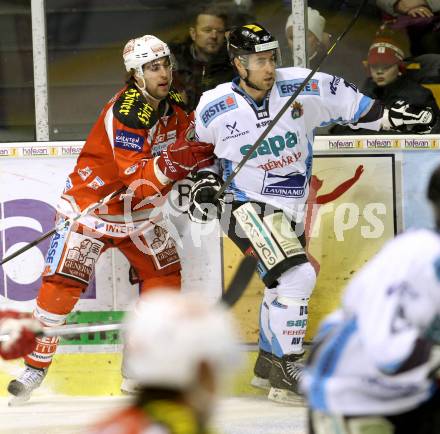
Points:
(249, 39)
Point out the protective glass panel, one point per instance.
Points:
(17, 119)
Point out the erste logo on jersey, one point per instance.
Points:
(288, 87)
(129, 141)
(217, 107)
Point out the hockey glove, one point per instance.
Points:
(203, 206)
(22, 330)
(184, 156)
(408, 118)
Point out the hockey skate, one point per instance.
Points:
(284, 378)
(262, 370)
(22, 387)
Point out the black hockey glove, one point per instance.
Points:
(202, 205)
(409, 118)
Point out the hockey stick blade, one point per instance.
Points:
(283, 109)
(232, 294)
(240, 281)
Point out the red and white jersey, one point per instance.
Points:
(120, 151)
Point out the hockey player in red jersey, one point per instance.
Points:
(21, 329)
(140, 143)
(179, 349)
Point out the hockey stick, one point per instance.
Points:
(63, 225)
(272, 123)
(240, 281)
(235, 290)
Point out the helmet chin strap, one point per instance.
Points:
(144, 91)
(249, 83)
(139, 75)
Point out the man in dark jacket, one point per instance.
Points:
(202, 60)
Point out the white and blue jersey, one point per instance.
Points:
(372, 357)
(279, 170)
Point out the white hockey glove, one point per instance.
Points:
(408, 118)
(203, 207)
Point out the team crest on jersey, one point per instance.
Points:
(290, 185)
(288, 87)
(217, 107)
(297, 110)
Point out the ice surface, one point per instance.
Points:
(71, 415)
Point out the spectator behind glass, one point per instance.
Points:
(420, 18)
(202, 60)
(388, 82)
(318, 41)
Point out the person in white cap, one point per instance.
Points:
(317, 39)
(179, 349)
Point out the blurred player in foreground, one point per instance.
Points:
(178, 349)
(22, 329)
(371, 369)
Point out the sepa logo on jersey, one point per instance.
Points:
(129, 141)
(288, 87)
(274, 145)
(217, 107)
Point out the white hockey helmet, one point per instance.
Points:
(169, 333)
(137, 52)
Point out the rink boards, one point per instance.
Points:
(351, 219)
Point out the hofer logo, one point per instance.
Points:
(129, 141)
(217, 107)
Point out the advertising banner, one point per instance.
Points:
(33, 177)
(362, 192)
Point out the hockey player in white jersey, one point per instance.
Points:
(267, 196)
(371, 367)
